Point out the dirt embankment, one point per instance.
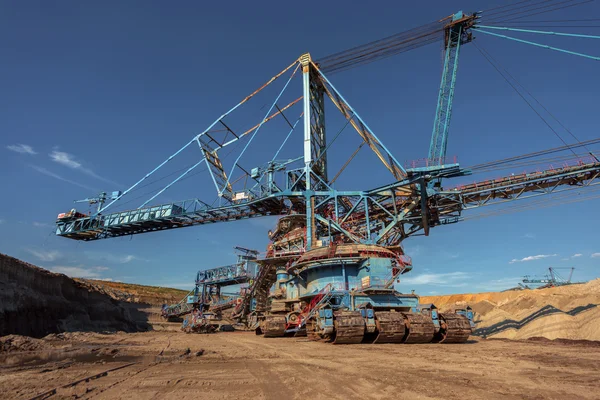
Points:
(132, 293)
(568, 312)
(36, 302)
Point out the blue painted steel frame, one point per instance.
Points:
(454, 38)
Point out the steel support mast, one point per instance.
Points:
(315, 157)
(456, 33)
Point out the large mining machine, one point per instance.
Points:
(203, 307)
(336, 254)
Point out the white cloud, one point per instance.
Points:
(595, 255)
(64, 159)
(529, 236)
(60, 178)
(81, 272)
(2, 221)
(68, 160)
(41, 224)
(21, 148)
(128, 258)
(112, 258)
(76, 272)
(573, 256)
(43, 255)
(532, 258)
(453, 279)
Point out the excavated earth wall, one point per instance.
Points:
(565, 312)
(36, 302)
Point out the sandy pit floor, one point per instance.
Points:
(241, 365)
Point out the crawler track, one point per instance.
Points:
(390, 327)
(420, 328)
(274, 326)
(455, 328)
(349, 327)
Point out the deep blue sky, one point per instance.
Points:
(101, 93)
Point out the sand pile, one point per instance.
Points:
(13, 343)
(568, 312)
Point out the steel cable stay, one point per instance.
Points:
(534, 162)
(250, 129)
(542, 45)
(421, 36)
(512, 5)
(261, 124)
(545, 9)
(372, 49)
(233, 149)
(198, 172)
(196, 138)
(381, 52)
(328, 63)
(524, 8)
(549, 23)
(533, 154)
(508, 77)
(503, 28)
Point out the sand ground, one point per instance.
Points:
(241, 365)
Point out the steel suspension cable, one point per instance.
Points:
(506, 5)
(536, 100)
(483, 53)
(527, 163)
(510, 10)
(381, 48)
(555, 20)
(500, 20)
(534, 154)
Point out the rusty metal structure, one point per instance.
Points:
(335, 255)
(203, 306)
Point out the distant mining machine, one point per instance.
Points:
(552, 279)
(202, 309)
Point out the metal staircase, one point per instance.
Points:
(259, 290)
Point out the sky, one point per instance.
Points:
(95, 95)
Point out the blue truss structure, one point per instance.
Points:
(384, 216)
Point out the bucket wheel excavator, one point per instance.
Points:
(335, 255)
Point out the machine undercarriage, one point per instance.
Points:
(344, 293)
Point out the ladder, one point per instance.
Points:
(311, 309)
(259, 290)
